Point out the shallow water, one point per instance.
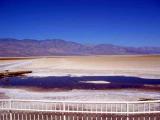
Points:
(67, 82)
(90, 88)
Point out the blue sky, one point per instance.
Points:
(121, 22)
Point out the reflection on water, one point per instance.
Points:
(85, 82)
(101, 88)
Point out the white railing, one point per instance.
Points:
(137, 107)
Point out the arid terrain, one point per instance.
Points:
(139, 66)
(11, 47)
(78, 66)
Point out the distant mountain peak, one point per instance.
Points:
(29, 47)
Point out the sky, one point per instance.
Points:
(120, 22)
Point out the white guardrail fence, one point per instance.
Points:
(137, 107)
(15, 109)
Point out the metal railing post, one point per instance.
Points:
(10, 109)
(64, 110)
(130, 108)
(127, 110)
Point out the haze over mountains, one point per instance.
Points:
(27, 47)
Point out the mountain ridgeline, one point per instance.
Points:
(28, 47)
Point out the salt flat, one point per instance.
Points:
(81, 95)
(147, 66)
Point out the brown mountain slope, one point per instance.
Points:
(28, 47)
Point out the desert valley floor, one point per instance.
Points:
(144, 67)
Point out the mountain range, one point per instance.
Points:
(10, 47)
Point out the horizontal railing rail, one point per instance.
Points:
(108, 107)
